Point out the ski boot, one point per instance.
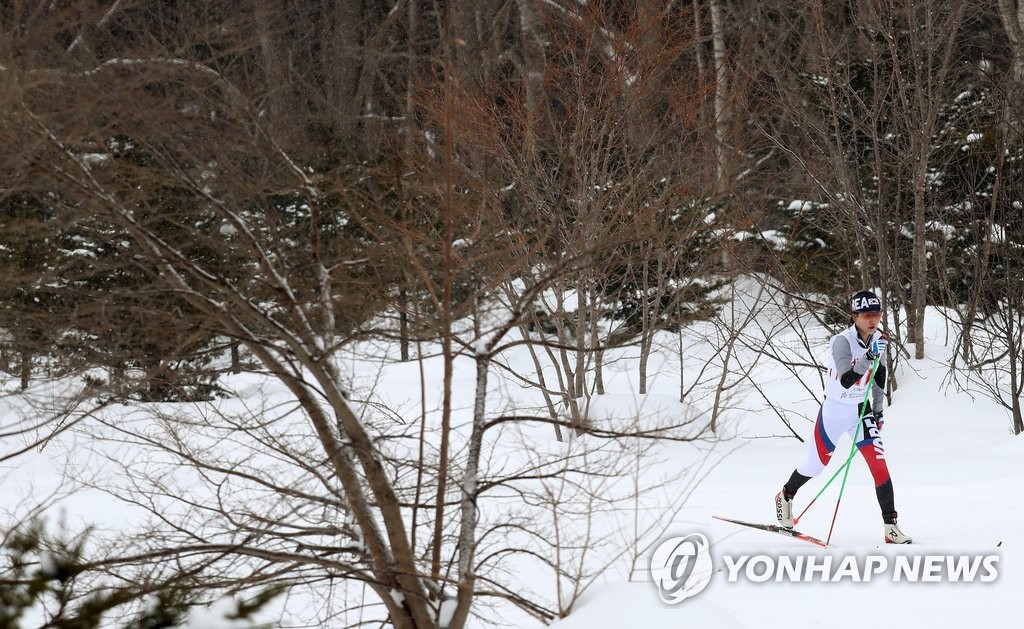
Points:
(784, 509)
(893, 534)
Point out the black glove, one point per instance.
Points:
(866, 413)
(864, 410)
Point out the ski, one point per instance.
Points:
(775, 528)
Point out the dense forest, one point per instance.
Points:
(196, 188)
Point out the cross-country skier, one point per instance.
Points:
(852, 353)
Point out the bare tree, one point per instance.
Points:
(987, 312)
(882, 74)
(190, 151)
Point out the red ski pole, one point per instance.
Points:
(853, 446)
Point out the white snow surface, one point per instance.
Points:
(956, 470)
(955, 466)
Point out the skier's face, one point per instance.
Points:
(867, 322)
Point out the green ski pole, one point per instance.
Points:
(853, 446)
(845, 466)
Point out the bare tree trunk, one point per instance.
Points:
(403, 324)
(981, 261)
(596, 342)
(26, 369)
(447, 285)
(421, 447)
(533, 60)
(682, 358)
(919, 263)
(582, 316)
(467, 535)
(342, 33)
(716, 407)
(408, 127)
(1011, 12)
(403, 207)
(276, 73)
(646, 324)
(698, 30)
(721, 90)
(542, 383)
(1013, 341)
(921, 87)
(570, 385)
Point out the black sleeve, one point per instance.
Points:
(842, 354)
(880, 376)
(849, 378)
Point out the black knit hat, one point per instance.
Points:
(865, 301)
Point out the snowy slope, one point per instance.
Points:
(956, 470)
(955, 467)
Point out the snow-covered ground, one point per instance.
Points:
(953, 461)
(957, 472)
